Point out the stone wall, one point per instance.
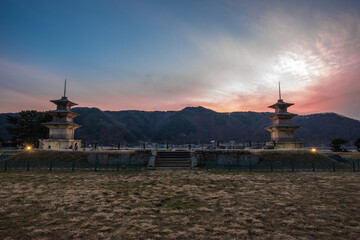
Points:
(58, 144)
(242, 158)
(123, 158)
(223, 157)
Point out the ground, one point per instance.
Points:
(352, 155)
(179, 204)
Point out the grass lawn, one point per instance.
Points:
(179, 204)
(285, 155)
(352, 155)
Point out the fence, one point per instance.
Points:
(348, 165)
(345, 165)
(6, 165)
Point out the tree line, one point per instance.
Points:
(26, 127)
(337, 145)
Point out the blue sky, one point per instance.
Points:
(166, 55)
(123, 36)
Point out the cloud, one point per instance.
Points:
(315, 60)
(315, 55)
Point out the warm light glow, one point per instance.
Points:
(28, 148)
(313, 149)
(304, 67)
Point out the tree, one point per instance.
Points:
(27, 127)
(337, 144)
(357, 144)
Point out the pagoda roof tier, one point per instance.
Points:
(280, 104)
(286, 115)
(54, 123)
(64, 101)
(282, 127)
(63, 113)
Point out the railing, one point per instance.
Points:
(6, 165)
(52, 165)
(351, 165)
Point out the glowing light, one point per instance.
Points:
(300, 68)
(294, 64)
(313, 149)
(28, 148)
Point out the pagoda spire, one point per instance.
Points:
(279, 91)
(65, 88)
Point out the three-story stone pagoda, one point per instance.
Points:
(62, 127)
(282, 130)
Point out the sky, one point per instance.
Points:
(167, 55)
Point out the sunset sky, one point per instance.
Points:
(167, 55)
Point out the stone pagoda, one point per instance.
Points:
(282, 131)
(62, 127)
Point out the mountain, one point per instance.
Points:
(200, 125)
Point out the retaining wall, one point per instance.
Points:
(241, 158)
(126, 158)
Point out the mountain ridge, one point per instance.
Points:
(200, 125)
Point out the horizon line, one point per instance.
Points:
(182, 110)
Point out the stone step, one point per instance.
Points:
(172, 164)
(170, 153)
(173, 156)
(173, 160)
(164, 168)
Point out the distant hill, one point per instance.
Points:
(200, 125)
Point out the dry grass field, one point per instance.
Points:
(286, 155)
(179, 204)
(353, 155)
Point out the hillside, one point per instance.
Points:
(200, 125)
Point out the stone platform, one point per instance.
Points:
(287, 145)
(58, 144)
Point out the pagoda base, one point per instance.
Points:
(59, 144)
(286, 144)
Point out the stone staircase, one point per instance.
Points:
(173, 159)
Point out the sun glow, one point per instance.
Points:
(296, 69)
(294, 64)
(304, 67)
